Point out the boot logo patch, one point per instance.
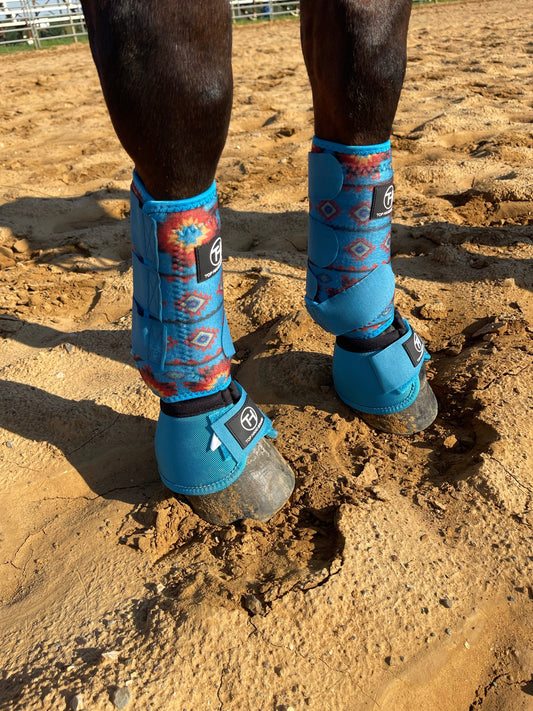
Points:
(414, 347)
(382, 200)
(208, 259)
(215, 253)
(246, 423)
(249, 419)
(388, 198)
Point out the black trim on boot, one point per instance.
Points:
(203, 404)
(396, 330)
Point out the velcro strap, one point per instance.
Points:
(356, 306)
(400, 362)
(323, 245)
(227, 342)
(143, 233)
(241, 427)
(147, 288)
(148, 338)
(311, 286)
(325, 176)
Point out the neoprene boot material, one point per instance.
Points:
(182, 347)
(350, 287)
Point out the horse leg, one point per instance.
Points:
(355, 53)
(167, 83)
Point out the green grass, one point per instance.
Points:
(244, 20)
(45, 44)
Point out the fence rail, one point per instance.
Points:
(248, 10)
(34, 22)
(38, 22)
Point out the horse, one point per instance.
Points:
(166, 75)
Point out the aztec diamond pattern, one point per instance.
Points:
(360, 213)
(360, 249)
(202, 339)
(385, 245)
(363, 240)
(191, 313)
(193, 303)
(328, 209)
(324, 277)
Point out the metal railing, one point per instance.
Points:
(249, 10)
(34, 22)
(37, 22)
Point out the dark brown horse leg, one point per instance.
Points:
(165, 70)
(355, 53)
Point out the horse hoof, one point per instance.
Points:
(415, 418)
(387, 388)
(263, 487)
(223, 463)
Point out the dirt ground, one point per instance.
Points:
(400, 575)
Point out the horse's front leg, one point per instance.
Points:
(165, 70)
(355, 53)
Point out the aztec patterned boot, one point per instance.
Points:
(378, 361)
(210, 437)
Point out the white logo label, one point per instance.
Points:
(215, 253)
(418, 345)
(249, 419)
(388, 198)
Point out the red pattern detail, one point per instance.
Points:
(211, 376)
(136, 193)
(358, 167)
(373, 327)
(385, 244)
(161, 389)
(172, 234)
(353, 268)
(184, 278)
(346, 283)
(193, 362)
